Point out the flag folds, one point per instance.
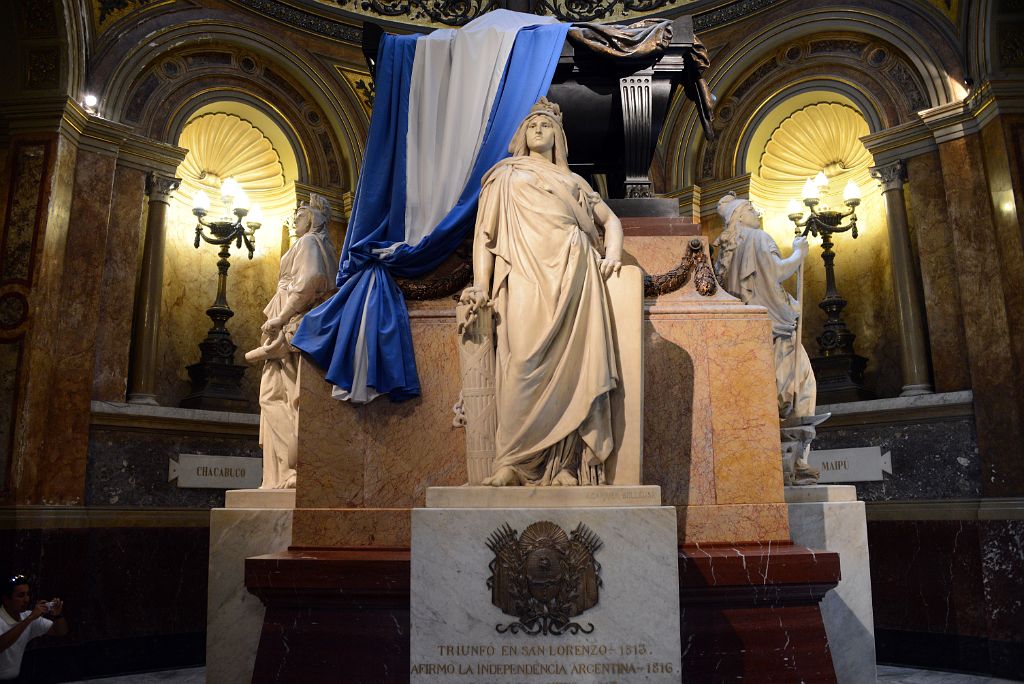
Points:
(447, 105)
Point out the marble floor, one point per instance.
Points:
(904, 675)
(886, 675)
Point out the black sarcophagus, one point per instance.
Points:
(614, 85)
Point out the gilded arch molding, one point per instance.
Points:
(866, 56)
(182, 68)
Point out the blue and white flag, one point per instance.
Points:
(447, 105)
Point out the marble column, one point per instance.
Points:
(909, 300)
(145, 338)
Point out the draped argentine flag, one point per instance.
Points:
(447, 105)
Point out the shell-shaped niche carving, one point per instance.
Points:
(224, 145)
(821, 136)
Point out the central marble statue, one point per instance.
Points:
(537, 262)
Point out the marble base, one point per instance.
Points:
(749, 612)
(630, 635)
(543, 497)
(820, 494)
(260, 498)
(234, 616)
(830, 518)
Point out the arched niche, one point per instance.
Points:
(174, 71)
(872, 58)
(790, 140)
(225, 139)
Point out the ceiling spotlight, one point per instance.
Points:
(89, 102)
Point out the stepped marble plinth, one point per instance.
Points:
(829, 517)
(253, 522)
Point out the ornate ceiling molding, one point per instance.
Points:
(362, 85)
(305, 20)
(438, 13)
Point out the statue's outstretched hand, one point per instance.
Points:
(800, 246)
(609, 266)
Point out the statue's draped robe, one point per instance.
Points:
(753, 276)
(307, 277)
(555, 350)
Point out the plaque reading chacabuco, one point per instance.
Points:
(544, 577)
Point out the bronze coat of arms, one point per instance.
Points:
(544, 577)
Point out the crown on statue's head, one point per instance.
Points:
(546, 106)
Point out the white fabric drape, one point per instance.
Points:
(455, 78)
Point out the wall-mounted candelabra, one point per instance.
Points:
(216, 379)
(838, 369)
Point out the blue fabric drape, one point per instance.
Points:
(329, 333)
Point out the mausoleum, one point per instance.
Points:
(514, 341)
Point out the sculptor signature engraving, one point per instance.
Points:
(544, 577)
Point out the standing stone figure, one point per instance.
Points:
(308, 271)
(750, 267)
(536, 262)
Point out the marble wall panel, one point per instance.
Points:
(733, 523)
(129, 467)
(996, 140)
(234, 616)
(930, 459)
(80, 296)
(19, 231)
(654, 253)
(744, 417)
(332, 440)
(1002, 562)
(927, 576)
(711, 421)
(352, 527)
(142, 597)
(947, 593)
(931, 231)
(110, 375)
(31, 481)
(28, 166)
(133, 565)
(995, 372)
(10, 358)
(385, 454)
(678, 453)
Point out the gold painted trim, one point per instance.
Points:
(1003, 508)
(81, 517)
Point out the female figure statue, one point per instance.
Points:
(536, 261)
(308, 271)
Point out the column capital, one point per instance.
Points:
(160, 187)
(891, 176)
